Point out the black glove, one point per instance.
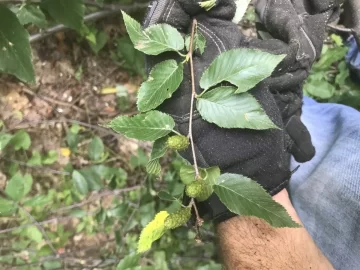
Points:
(261, 155)
(301, 25)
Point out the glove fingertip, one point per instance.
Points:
(302, 149)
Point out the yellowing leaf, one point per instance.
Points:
(152, 232)
(66, 152)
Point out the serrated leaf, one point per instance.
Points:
(155, 39)
(128, 262)
(80, 183)
(244, 68)
(153, 167)
(245, 197)
(146, 127)
(96, 148)
(21, 140)
(32, 14)
(68, 12)
(15, 51)
(159, 148)
(158, 151)
(163, 81)
(152, 232)
(226, 109)
(199, 42)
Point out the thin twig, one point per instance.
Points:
(54, 101)
(96, 197)
(38, 225)
(35, 222)
(58, 28)
(190, 135)
(29, 124)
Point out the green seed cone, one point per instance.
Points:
(178, 219)
(178, 143)
(198, 190)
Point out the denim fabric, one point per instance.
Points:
(326, 190)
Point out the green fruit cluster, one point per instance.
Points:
(198, 190)
(178, 219)
(178, 142)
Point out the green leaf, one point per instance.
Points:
(27, 182)
(154, 167)
(159, 148)
(212, 174)
(68, 12)
(21, 140)
(92, 178)
(4, 140)
(129, 261)
(80, 183)
(50, 158)
(155, 39)
(330, 57)
(7, 208)
(96, 148)
(101, 39)
(245, 197)
(32, 14)
(163, 81)
(160, 263)
(158, 151)
(15, 51)
(319, 88)
(244, 68)
(229, 110)
(134, 59)
(35, 159)
(199, 42)
(15, 188)
(187, 174)
(33, 233)
(152, 232)
(146, 127)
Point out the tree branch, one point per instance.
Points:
(190, 135)
(58, 28)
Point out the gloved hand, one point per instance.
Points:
(301, 25)
(261, 155)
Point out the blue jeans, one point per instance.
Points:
(326, 191)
